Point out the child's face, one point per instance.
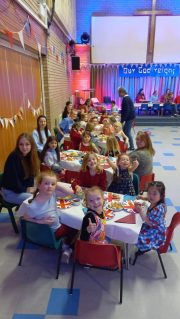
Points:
(153, 195)
(139, 142)
(24, 146)
(53, 144)
(42, 123)
(95, 201)
(124, 161)
(86, 139)
(47, 185)
(92, 162)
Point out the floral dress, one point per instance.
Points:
(122, 183)
(152, 237)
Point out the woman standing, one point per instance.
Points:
(21, 166)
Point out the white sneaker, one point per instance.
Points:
(66, 255)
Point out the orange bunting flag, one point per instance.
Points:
(10, 35)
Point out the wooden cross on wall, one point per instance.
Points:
(152, 25)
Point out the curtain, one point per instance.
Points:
(105, 80)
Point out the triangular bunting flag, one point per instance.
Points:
(10, 35)
(11, 122)
(6, 122)
(21, 38)
(2, 122)
(39, 48)
(29, 104)
(21, 109)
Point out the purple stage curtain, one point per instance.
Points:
(105, 80)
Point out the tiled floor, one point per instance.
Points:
(31, 292)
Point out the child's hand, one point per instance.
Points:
(78, 190)
(138, 207)
(91, 227)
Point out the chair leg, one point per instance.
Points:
(136, 256)
(13, 220)
(72, 278)
(121, 283)
(162, 265)
(22, 252)
(58, 263)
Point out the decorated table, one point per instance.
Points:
(122, 223)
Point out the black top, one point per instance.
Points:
(127, 109)
(14, 176)
(90, 214)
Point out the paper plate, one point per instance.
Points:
(115, 206)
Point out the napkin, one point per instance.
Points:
(63, 204)
(130, 219)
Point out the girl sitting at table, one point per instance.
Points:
(41, 133)
(93, 225)
(112, 147)
(42, 209)
(50, 155)
(119, 134)
(152, 234)
(107, 128)
(87, 145)
(83, 120)
(76, 135)
(122, 182)
(91, 174)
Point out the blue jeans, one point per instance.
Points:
(15, 198)
(127, 131)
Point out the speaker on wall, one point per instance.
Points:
(75, 62)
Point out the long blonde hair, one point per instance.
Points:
(84, 166)
(112, 145)
(144, 136)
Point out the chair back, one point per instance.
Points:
(97, 255)
(169, 232)
(145, 180)
(44, 167)
(39, 234)
(136, 183)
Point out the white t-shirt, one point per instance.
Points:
(37, 211)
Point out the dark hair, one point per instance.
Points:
(140, 91)
(46, 147)
(45, 129)
(87, 101)
(30, 162)
(161, 189)
(65, 112)
(113, 102)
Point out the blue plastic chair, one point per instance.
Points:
(41, 235)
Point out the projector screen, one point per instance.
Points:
(167, 39)
(119, 39)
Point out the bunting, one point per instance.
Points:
(5, 121)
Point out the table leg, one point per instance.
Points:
(126, 255)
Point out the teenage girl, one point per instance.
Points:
(93, 225)
(107, 128)
(122, 183)
(21, 167)
(91, 174)
(50, 155)
(112, 146)
(152, 234)
(41, 133)
(42, 209)
(87, 145)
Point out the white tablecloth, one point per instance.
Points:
(127, 233)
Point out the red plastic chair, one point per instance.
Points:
(123, 147)
(103, 256)
(164, 248)
(145, 180)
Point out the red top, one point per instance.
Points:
(177, 99)
(85, 148)
(75, 138)
(86, 180)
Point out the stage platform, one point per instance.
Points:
(143, 120)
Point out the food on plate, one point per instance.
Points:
(70, 158)
(114, 205)
(73, 154)
(116, 196)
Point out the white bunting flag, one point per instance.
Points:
(21, 38)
